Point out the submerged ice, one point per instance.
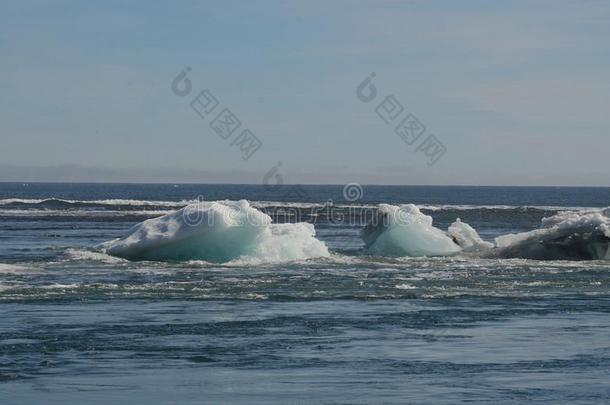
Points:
(217, 232)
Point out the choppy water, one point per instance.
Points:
(77, 325)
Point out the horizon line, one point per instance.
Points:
(297, 184)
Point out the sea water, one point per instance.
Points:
(351, 326)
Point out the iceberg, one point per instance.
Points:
(228, 231)
(405, 231)
(567, 235)
(287, 242)
(467, 237)
(217, 232)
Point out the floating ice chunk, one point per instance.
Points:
(405, 231)
(216, 232)
(286, 242)
(467, 237)
(565, 236)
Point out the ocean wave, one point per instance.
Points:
(59, 203)
(110, 204)
(12, 268)
(49, 213)
(73, 254)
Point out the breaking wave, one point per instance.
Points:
(111, 204)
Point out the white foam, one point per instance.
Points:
(268, 204)
(405, 286)
(18, 213)
(6, 201)
(88, 255)
(472, 207)
(11, 268)
(116, 201)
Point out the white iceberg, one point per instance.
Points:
(467, 237)
(217, 232)
(570, 235)
(567, 235)
(405, 231)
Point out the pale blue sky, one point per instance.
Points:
(518, 91)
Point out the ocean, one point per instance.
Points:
(80, 326)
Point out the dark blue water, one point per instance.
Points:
(430, 195)
(77, 325)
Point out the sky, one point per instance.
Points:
(513, 92)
